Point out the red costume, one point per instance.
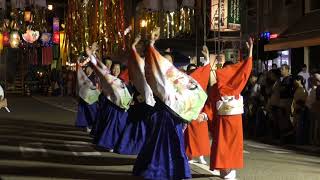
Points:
(227, 145)
(196, 135)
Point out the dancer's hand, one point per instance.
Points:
(155, 34)
(250, 46)
(89, 51)
(201, 117)
(136, 41)
(95, 47)
(205, 52)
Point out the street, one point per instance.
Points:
(39, 141)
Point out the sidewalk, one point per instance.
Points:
(305, 149)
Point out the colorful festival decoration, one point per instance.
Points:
(14, 39)
(1, 42)
(99, 21)
(45, 39)
(56, 37)
(27, 16)
(6, 39)
(56, 24)
(174, 22)
(30, 36)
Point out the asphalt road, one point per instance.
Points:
(39, 141)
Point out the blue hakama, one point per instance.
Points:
(163, 154)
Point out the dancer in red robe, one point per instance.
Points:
(196, 135)
(227, 109)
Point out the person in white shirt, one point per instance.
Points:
(306, 75)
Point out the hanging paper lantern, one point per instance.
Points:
(31, 36)
(6, 39)
(45, 38)
(56, 37)
(14, 39)
(27, 16)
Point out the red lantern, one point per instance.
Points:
(6, 39)
(56, 37)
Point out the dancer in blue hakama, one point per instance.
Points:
(134, 134)
(179, 98)
(113, 115)
(86, 114)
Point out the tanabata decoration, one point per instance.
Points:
(14, 39)
(173, 21)
(6, 39)
(31, 36)
(56, 24)
(45, 38)
(102, 21)
(27, 16)
(56, 37)
(1, 42)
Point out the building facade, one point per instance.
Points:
(298, 26)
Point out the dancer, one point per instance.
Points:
(134, 134)
(117, 102)
(196, 135)
(179, 99)
(87, 108)
(227, 145)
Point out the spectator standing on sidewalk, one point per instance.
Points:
(314, 112)
(281, 113)
(306, 75)
(298, 111)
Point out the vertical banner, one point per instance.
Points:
(215, 15)
(234, 15)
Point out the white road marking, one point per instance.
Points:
(74, 146)
(278, 152)
(76, 142)
(32, 149)
(95, 153)
(246, 152)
